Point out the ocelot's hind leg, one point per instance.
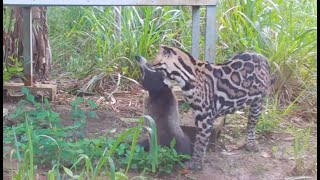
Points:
(254, 115)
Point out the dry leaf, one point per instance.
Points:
(231, 147)
(229, 153)
(242, 142)
(185, 171)
(266, 154)
(289, 138)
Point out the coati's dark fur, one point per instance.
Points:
(162, 106)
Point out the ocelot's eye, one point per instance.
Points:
(157, 61)
(158, 65)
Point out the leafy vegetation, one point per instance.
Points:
(40, 138)
(300, 146)
(84, 42)
(10, 70)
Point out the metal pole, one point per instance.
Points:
(117, 10)
(211, 34)
(195, 31)
(27, 45)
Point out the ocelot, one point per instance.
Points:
(214, 90)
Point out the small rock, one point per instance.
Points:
(5, 112)
(229, 153)
(290, 138)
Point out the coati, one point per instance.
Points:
(162, 106)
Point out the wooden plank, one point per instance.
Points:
(51, 88)
(109, 2)
(178, 93)
(27, 45)
(195, 31)
(211, 34)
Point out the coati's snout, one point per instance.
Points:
(152, 80)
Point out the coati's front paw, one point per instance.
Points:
(193, 165)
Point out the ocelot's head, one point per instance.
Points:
(151, 80)
(176, 64)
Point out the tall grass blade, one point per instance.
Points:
(30, 150)
(153, 144)
(134, 142)
(16, 144)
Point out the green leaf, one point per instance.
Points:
(51, 175)
(173, 143)
(79, 151)
(25, 90)
(76, 124)
(92, 114)
(92, 103)
(122, 146)
(68, 171)
(121, 176)
(46, 102)
(30, 98)
(79, 99)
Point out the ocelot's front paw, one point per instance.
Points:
(252, 147)
(193, 165)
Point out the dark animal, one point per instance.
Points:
(162, 106)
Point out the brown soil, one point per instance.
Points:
(273, 161)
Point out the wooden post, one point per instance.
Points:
(27, 45)
(211, 34)
(195, 31)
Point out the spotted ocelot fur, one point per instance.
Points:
(214, 90)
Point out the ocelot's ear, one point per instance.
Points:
(163, 48)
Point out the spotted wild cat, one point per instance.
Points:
(214, 90)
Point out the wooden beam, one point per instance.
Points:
(27, 45)
(109, 2)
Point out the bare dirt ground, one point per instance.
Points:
(273, 161)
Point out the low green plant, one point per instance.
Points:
(40, 138)
(274, 114)
(79, 117)
(300, 146)
(15, 68)
(185, 107)
(271, 118)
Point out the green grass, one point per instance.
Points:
(87, 41)
(83, 39)
(40, 138)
